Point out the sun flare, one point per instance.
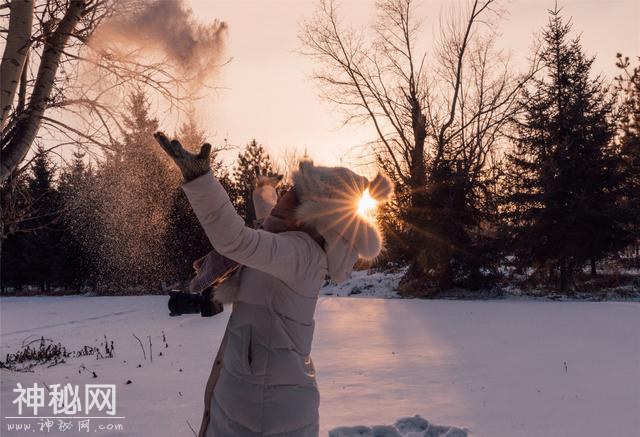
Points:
(367, 205)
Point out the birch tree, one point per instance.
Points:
(19, 135)
(63, 82)
(56, 82)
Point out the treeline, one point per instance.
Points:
(539, 179)
(564, 196)
(120, 224)
(501, 173)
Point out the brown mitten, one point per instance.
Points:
(191, 166)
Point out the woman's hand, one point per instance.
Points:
(191, 166)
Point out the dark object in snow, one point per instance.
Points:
(191, 303)
(128, 381)
(355, 290)
(83, 367)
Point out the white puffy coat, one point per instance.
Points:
(267, 385)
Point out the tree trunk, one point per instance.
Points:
(594, 271)
(22, 136)
(563, 275)
(15, 53)
(417, 181)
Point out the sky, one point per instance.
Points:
(266, 90)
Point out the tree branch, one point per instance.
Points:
(27, 126)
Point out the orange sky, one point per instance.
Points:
(267, 92)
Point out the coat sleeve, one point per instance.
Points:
(285, 256)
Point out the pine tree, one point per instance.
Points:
(132, 200)
(628, 85)
(16, 206)
(252, 161)
(75, 263)
(562, 209)
(43, 240)
(186, 241)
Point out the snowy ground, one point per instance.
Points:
(498, 368)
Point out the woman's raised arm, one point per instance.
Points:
(288, 257)
(285, 256)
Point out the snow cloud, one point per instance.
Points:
(167, 27)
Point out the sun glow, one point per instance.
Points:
(367, 205)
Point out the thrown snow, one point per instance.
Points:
(497, 368)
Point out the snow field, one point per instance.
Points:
(507, 368)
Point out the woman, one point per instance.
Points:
(267, 384)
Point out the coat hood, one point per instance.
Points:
(329, 199)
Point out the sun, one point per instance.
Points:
(367, 205)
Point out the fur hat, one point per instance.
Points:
(329, 199)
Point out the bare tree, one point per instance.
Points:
(437, 120)
(63, 82)
(57, 82)
(19, 134)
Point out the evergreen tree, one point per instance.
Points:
(186, 241)
(457, 210)
(43, 240)
(132, 199)
(628, 85)
(75, 263)
(252, 161)
(16, 207)
(562, 209)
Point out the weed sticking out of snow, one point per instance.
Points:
(48, 353)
